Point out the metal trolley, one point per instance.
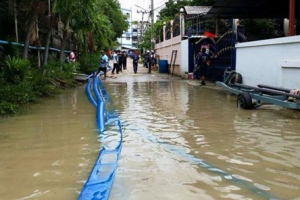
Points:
(252, 97)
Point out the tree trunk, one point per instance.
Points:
(38, 44)
(16, 21)
(48, 39)
(33, 17)
(64, 40)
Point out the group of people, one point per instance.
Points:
(150, 60)
(119, 60)
(203, 61)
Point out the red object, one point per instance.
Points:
(292, 18)
(209, 34)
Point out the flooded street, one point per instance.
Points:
(181, 142)
(48, 152)
(190, 142)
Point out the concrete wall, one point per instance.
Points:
(273, 62)
(184, 66)
(164, 51)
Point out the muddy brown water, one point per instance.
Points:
(180, 142)
(48, 152)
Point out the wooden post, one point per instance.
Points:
(217, 26)
(292, 18)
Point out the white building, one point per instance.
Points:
(126, 40)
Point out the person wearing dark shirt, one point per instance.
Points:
(135, 59)
(120, 61)
(124, 60)
(203, 61)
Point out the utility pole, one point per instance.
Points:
(140, 38)
(152, 42)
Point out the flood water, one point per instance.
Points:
(181, 142)
(48, 152)
(188, 142)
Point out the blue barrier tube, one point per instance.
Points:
(100, 116)
(88, 93)
(95, 89)
(100, 107)
(100, 180)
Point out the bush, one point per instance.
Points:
(11, 50)
(22, 84)
(89, 63)
(7, 108)
(15, 69)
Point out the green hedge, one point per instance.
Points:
(22, 83)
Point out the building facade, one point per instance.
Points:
(125, 42)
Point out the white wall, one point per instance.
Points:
(126, 41)
(184, 66)
(164, 51)
(274, 62)
(165, 48)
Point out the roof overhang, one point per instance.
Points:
(129, 47)
(252, 9)
(192, 12)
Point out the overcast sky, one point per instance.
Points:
(131, 4)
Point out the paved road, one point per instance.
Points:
(141, 75)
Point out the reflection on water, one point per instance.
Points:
(181, 142)
(48, 153)
(186, 142)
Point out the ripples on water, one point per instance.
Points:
(170, 127)
(48, 153)
(181, 142)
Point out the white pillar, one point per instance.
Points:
(181, 22)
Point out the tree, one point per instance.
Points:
(172, 8)
(50, 21)
(34, 9)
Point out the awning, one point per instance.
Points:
(129, 47)
(252, 9)
(192, 12)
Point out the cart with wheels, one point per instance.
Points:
(249, 97)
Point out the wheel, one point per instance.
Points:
(244, 101)
(237, 78)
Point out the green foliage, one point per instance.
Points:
(15, 69)
(256, 29)
(7, 108)
(157, 33)
(96, 23)
(56, 69)
(89, 62)
(22, 84)
(112, 9)
(172, 8)
(11, 50)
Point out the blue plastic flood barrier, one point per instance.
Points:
(100, 180)
(163, 66)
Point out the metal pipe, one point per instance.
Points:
(152, 22)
